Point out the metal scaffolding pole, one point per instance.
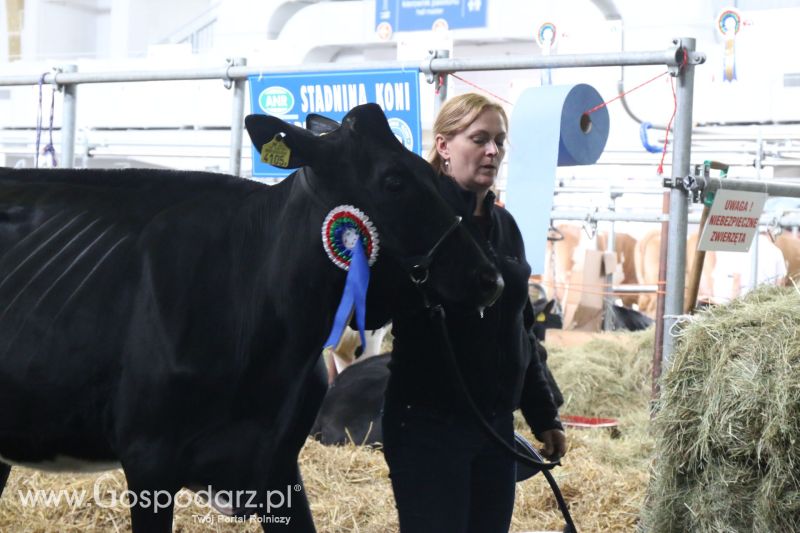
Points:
(766, 220)
(237, 117)
(68, 117)
(440, 84)
(671, 57)
(679, 202)
(611, 246)
(771, 187)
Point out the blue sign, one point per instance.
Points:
(292, 97)
(414, 15)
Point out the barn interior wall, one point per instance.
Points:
(120, 35)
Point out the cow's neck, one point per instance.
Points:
(305, 178)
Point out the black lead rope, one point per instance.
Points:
(538, 463)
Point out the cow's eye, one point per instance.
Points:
(393, 183)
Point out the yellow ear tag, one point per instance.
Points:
(541, 318)
(276, 153)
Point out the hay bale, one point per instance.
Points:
(609, 376)
(727, 426)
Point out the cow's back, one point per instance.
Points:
(78, 249)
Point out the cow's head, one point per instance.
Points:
(362, 163)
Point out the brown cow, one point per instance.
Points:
(790, 247)
(713, 285)
(648, 251)
(625, 246)
(560, 255)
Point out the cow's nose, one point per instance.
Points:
(491, 285)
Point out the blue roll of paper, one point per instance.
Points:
(549, 128)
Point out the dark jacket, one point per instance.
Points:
(496, 353)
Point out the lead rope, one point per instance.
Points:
(437, 311)
(49, 148)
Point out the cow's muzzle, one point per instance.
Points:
(489, 281)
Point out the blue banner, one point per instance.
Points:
(292, 97)
(415, 15)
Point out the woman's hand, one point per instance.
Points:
(555, 444)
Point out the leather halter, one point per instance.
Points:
(419, 268)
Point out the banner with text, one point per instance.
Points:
(292, 97)
(416, 15)
(732, 221)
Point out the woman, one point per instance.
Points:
(447, 474)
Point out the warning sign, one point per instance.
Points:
(732, 221)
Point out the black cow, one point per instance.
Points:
(351, 411)
(627, 319)
(547, 315)
(171, 322)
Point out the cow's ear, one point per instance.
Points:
(304, 148)
(369, 120)
(319, 125)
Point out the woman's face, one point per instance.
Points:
(475, 153)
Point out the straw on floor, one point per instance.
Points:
(603, 478)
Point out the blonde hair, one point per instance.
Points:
(455, 116)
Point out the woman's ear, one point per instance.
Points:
(442, 146)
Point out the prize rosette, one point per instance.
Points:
(340, 229)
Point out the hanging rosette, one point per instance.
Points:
(546, 38)
(728, 24)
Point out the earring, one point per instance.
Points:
(447, 164)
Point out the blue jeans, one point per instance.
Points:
(448, 476)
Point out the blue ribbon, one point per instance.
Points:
(645, 142)
(354, 295)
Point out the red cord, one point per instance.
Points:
(660, 169)
(620, 95)
(481, 89)
(684, 61)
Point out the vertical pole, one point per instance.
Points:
(611, 246)
(237, 119)
(754, 251)
(658, 350)
(441, 88)
(68, 124)
(696, 272)
(679, 200)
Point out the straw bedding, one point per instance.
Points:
(603, 478)
(727, 427)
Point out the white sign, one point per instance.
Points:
(732, 221)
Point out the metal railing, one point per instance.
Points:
(680, 58)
